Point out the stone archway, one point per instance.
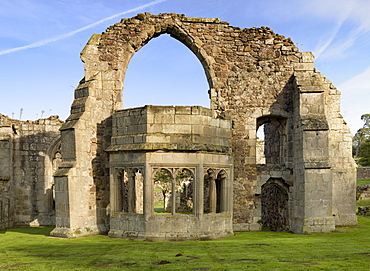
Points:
(251, 73)
(275, 211)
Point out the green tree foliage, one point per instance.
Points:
(364, 153)
(361, 142)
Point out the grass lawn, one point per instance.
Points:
(362, 181)
(34, 249)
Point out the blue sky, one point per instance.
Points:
(40, 43)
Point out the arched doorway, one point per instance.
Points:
(275, 199)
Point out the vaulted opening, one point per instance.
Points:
(165, 72)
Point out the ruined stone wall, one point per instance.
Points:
(254, 74)
(26, 179)
(6, 187)
(248, 71)
(363, 173)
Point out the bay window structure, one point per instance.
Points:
(170, 174)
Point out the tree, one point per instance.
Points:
(365, 154)
(361, 140)
(360, 137)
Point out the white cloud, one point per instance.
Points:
(70, 34)
(357, 84)
(323, 45)
(350, 12)
(355, 99)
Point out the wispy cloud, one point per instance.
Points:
(343, 16)
(355, 98)
(358, 83)
(70, 34)
(354, 13)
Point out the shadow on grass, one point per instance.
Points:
(45, 231)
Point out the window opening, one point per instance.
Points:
(184, 191)
(271, 140)
(163, 187)
(123, 191)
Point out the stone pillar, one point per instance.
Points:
(148, 192)
(312, 194)
(139, 190)
(223, 194)
(173, 196)
(212, 195)
(114, 192)
(198, 191)
(131, 191)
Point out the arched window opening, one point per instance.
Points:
(271, 140)
(163, 187)
(165, 72)
(184, 191)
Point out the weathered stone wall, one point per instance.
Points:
(363, 173)
(26, 155)
(363, 192)
(256, 75)
(170, 128)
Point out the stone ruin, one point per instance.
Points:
(186, 172)
(29, 155)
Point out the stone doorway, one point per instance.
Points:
(275, 211)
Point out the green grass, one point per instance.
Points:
(362, 181)
(365, 202)
(159, 206)
(33, 249)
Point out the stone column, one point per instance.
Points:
(173, 196)
(113, 191)
(139, 190)
(312, 194)
(198, 191)
(212, 195)
(148, 192)
(131, 190)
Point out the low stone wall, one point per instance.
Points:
(171, 227)
(363, 173)
(364, 210)
(363, 192)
